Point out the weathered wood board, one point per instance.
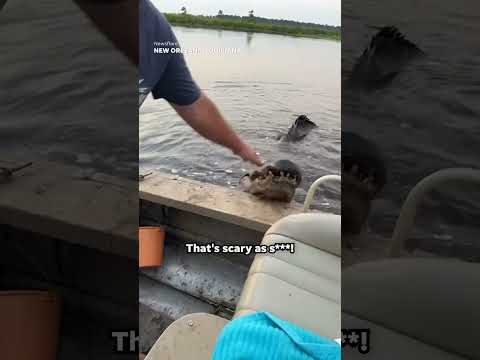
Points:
(72, 204)
(213, 201)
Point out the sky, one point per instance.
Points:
(317, 11)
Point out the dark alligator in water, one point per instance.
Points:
(387, 54)
(277, 181)
(299, 129)
(364, 175)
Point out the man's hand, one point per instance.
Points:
(248, 154)
(204, 117)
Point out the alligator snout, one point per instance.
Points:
(277, 181)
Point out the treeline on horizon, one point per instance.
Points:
(256, 24)
(279, 22)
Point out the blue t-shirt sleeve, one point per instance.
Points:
(163, 73)
(177, 85)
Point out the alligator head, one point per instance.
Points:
(277, 181)
(387, 54)
(300, 128)
(363, 177)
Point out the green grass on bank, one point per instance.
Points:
(251, 24)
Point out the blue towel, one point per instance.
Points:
(262, 336)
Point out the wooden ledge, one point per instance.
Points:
(213, 201)
(99, 211)
(73, 204)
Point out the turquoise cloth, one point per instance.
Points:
(262, 336)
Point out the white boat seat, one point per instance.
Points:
(430, 300)
(302, 287)
(192, 336)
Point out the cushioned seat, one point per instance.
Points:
(432, 301)
(303, 287)
(192, 336)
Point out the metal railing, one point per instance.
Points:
(408, 212)
(313, 189)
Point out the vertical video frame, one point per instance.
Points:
(239, 186)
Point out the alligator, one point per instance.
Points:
(277, 181)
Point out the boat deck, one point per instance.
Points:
(213, 201)
(101, 215)
(195, 212)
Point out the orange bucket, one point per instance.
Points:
(30, 323)
(151, 241)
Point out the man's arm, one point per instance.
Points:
(205, 118)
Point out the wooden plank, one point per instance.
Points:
(213, 201)
(100, 211)
(73, 204)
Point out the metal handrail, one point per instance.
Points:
(406, 219)
(313, 188)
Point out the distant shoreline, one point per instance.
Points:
(262, 25)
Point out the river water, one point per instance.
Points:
(260, 87)
(65, 97)
(427, 119)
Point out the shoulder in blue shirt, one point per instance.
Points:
(162, 71)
